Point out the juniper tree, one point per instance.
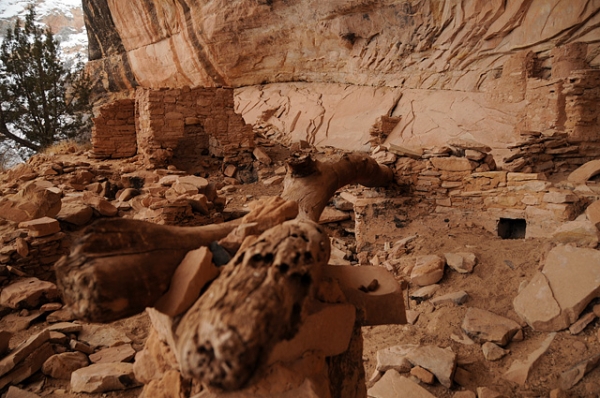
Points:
(41, 101)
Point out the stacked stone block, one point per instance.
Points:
(180, 125)
(113, 133)
(582, 94)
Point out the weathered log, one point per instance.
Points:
(121, 266)
(257, 301)
(312, 183)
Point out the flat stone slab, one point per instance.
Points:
(519, 369)
(535, 304)
(119, 353)
(102, 336)
(192, 274)
(394, 385)
(585, 172)
(39, 227)
(488, 326)
(103, 377)
(574, 277)
(28, 293)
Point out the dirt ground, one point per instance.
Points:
(503, 265)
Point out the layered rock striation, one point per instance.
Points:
(327, 72)
(458, 44)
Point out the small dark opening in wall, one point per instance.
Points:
(512, 228)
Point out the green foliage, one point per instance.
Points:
(41, 101)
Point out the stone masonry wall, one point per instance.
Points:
(171, 126)
(582, 95)
(179, 125)
(113, 133)
(453, 184)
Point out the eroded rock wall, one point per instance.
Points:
(441, 57)
(456, 44)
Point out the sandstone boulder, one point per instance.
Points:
(428, 270)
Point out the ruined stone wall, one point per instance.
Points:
(175, 126)
(113, 133)
(183, 124)
(456, 184)
(582, 97)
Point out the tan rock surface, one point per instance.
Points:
(222, 44)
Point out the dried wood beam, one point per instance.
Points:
(312, 183)
(257, 301)
(121, 266)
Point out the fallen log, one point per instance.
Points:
(121, 266)
(258, 300)
(312, 183)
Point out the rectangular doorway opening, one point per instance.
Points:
(512, 228)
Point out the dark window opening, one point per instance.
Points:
(512, 228)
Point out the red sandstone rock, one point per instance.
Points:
(194, 272)
(60, 366)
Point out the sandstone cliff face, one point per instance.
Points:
(457, 45)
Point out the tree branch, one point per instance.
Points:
(21, 141)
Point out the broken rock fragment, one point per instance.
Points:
(569, 378)
(28, 293)
(580, 233)
(41, 226)
(120, 353)
(103, 377)
(462, 262)
(572, 280)
(582, 322)
(488, 326)
(75, 213)
(493, 352)
(192, 274)
(393, 384)
(441, 362)
(428, 270)
(457, 298)
(60, 366)
(536, 305)
(519, 369)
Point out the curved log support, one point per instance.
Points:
(257, 301)
(312, 183)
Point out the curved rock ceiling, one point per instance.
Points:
(455, 45)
